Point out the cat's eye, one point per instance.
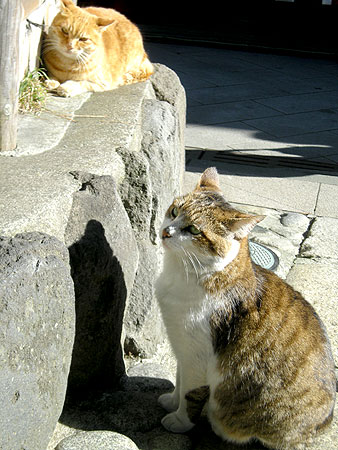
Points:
(64, 31)
(193, 230)
(83, 39)
(174, 212)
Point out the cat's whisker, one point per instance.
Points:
(191, 259)
(49, 45)
(184, 262)
(82, 59)
(202, 267)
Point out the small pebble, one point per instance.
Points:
(96, 440)
(294, 220)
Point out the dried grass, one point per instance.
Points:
(33, 92)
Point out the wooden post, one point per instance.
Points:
(10, 18)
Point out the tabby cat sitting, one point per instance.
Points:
(246, 342)
(93, 49)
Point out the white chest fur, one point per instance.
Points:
(186, 313)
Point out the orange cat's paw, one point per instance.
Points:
(128, 78)
(69, 88)
(51, 85)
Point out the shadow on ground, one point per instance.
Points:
(133, 411)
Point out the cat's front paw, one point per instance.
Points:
(69, 88)
(51, 85)
(169, 402)
(176, 423)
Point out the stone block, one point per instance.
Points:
(153, 179)
(168, 88)
(103, 259)
(37, 325)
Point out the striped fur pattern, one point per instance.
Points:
(246, 342)
(93, 49)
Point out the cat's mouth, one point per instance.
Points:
(165, 243)
(72, 52)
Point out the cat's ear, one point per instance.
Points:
(209, 180)
(241, 226)
(103, 23)
(65, 5)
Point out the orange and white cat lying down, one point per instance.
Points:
(93, 49)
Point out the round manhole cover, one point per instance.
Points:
(263, 256)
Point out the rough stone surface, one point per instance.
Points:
(40, 182)
(103, 259)
(97, 440)
(168, 88)
(126, 144)
(152, 181)
(54, 116)
(322, 240)
(37, 325)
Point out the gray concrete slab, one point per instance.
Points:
(327, 202)
(243, 137)
(228, 112)
(291, 104)
(285, 194)
(236, 92)
(294, 124)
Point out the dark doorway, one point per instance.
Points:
(302, 25)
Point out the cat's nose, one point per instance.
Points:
(166, 233)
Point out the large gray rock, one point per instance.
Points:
(103, 258)
(168, 88)
(37, 326)
(153, 180)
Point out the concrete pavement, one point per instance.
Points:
(268, 122)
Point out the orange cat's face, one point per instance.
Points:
(98, 48)
(74, 36)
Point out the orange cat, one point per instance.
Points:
(93, 49)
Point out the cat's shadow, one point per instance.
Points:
(133, 411)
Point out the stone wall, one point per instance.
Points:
(80, 251)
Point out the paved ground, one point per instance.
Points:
(268, 122)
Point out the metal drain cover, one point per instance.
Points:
(263, 256)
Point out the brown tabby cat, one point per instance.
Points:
(244, 339)
(93, 49)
